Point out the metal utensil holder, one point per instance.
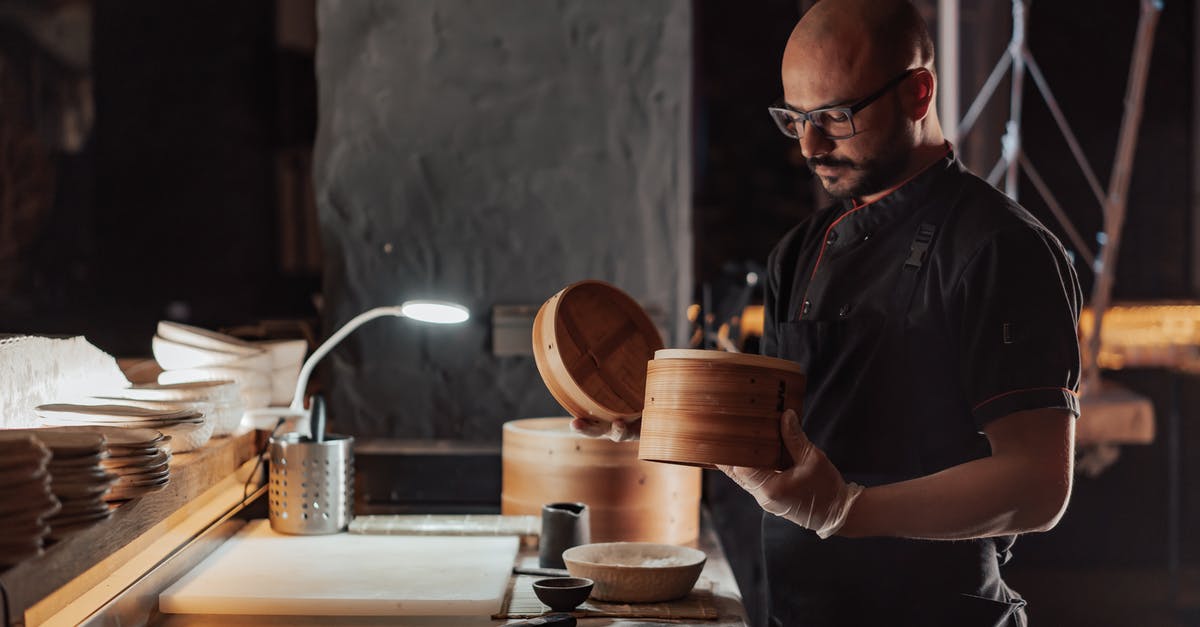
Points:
(311, 484)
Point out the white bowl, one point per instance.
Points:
(203, 338)
(172, 355)
(285, 353)
(226, 419)
(283, 384)
(636, 572)
(254, 386)
(242, 377)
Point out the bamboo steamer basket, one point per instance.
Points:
(628, 499)
(706, 407)
(592, 342)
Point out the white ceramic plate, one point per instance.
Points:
(111, 413)
(213, 390)
(172, 355)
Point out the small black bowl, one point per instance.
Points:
(563, 594)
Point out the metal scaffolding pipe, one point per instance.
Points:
(1061, 120)
(1118, 182)
(1055, 208)
(985, 94)
(947, 66)
(1012, 131)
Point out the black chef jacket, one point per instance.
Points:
(918, 319)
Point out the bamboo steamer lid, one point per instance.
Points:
(592, 342)
(708, 407)
(628, 499)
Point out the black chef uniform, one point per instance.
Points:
(918, 318)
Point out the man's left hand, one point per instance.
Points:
(811, 493)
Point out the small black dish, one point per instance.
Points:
(563, 594)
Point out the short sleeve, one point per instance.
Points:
(1018, 305)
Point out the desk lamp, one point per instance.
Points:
(429, 311)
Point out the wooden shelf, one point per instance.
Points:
(87, 558)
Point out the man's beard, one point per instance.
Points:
(875, 174)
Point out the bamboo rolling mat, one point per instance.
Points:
(447, 525)
(521, 602)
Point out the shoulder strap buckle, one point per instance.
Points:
(920, 245)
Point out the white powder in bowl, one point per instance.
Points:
(663, 561)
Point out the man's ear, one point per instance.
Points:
(920, 93)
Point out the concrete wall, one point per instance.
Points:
(491, 153)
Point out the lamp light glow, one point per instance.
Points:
(435, 311)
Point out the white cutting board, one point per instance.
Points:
(259, 571)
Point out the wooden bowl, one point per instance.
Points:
(591, 342)
(628, 499)
(710, 407)
(636, 572)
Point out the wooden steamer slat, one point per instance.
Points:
(628, 499)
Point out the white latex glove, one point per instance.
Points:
(811, 493)
(617, 430)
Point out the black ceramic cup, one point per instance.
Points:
(564, 525)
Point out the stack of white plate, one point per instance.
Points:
(265, 371)
(139, 457)
(219, 401)
(186, 428)
(25, 497)
(76, 478)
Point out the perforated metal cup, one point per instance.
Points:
(311, 484)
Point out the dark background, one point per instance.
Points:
(182, 204)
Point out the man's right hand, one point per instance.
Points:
(617, 430)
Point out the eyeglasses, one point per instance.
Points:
(833, 122)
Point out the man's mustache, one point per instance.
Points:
(831, 163)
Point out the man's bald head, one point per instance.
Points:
(867, 39)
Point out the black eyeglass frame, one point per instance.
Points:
(782, 110)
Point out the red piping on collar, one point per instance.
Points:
(855, 207)
(858, 204)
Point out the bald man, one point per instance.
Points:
(936, 321)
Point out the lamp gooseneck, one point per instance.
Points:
(329, 344)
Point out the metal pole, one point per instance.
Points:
(1012, 131)
(1174, 500)
(1036, 73)
(948, 67)
(985, 94)
(1118, 182)
(1056, 208)
(1195, 151)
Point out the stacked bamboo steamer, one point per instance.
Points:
(602, 358)
(710, 407)
(628, 499)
